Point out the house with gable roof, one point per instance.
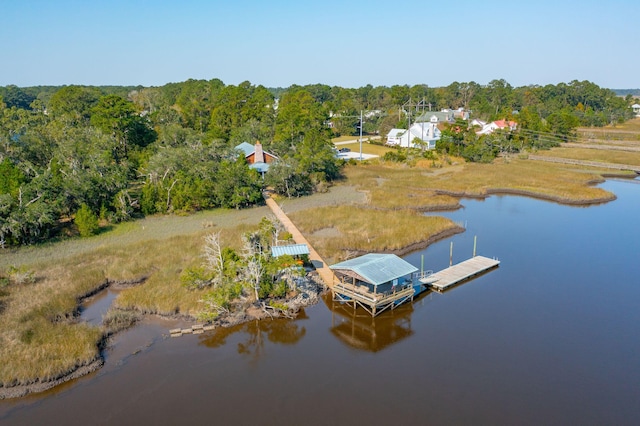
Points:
(497, 125)
(636, 109)
(256, 156)
(420, 135)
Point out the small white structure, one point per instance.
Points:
(497, 125)
(636, 109)
(479, 123)
(420, 135)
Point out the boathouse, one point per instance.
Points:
(374, 281)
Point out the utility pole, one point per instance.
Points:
(409, 104)
(361, 123)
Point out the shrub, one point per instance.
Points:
(218, 301)
(19, 276)
(86, 221)
(196, 277)
(119, 319)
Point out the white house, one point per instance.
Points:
(636, 109)
(420, 135)
(479, 123)
(497, 125)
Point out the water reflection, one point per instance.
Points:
(359, 330)
(94, 308)
(254, 333)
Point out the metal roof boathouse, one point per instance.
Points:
(375, 282)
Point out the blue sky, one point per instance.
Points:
(343, 43)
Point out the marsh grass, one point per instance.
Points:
(627, 131)
(390, 217)
(601, 155)
(393, 187)
(376, 208)
(366, 230)
(38, 319)
(119, 319)
(558, 182)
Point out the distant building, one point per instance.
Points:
(420, 135)
(444, 116)
(497, 125)
(636, 109)
(256, 157)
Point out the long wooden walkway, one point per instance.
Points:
(321, 266)
(446, 278)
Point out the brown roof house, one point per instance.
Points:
(256, 157)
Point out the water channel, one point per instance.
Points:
(550, 337)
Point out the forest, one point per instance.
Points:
(74, 158)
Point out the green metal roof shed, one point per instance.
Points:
(291, 249)
(376, 269)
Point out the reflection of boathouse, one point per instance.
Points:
(375, 282)
(361, 331)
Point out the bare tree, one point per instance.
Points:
(253, 255)
(255, 271)
(213, 259)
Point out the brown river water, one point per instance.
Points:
(550, 337)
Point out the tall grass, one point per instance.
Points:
(601, 155)
(358, 229)
(40, 338)
(393, 187)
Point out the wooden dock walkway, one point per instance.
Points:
(457, 273)
(325, 273)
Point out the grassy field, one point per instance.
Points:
(627, 131)
(377, 207)
(339, 232)
(351, 138)
(37, 318)
(601, 155)
(367, 148)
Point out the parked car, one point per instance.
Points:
(344, 150)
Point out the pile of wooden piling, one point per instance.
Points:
(194, 329)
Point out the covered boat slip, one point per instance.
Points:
(375, 282)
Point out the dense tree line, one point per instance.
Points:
(121, 152)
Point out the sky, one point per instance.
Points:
(277, 43)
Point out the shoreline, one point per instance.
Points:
(530, 194)
(39, 386)
(309, 294)
(239, 317)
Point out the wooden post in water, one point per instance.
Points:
(475, 240)
(451, 254)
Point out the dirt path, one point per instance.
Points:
(321, 266)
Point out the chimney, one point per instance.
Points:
(259, 153)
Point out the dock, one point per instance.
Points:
(321, 267)
(462, 271)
